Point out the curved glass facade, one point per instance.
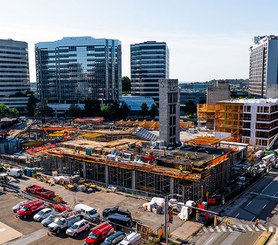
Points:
(77, 68)
(14, 73)
(149, 63)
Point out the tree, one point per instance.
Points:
(92, 107)
(74, 111)
(44, 110)
(31, 105)
(124, 110)
(4, 110)
(126, 85)
(105, 110)
(14, 112)
(153, 111)
(144, 109)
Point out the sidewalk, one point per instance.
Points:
(273, 239)
(185, 231)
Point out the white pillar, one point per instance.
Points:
(84, 170)
(171, 185)
(133, 186)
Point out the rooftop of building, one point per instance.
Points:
(252, 101)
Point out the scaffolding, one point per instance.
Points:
(229, 118)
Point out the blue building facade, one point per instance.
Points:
(78, 68)
(149, 62)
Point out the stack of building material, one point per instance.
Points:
(156, 205)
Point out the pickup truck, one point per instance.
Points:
(40, 191)
(61, 223)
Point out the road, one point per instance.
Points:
(257, 202)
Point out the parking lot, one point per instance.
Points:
(34, 233)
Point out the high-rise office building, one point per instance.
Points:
(149, 63)
(14, 73)
(263, 70)
(78, 68)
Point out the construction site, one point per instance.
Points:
(131, 159)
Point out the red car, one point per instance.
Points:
(29, 208)
(99, 233)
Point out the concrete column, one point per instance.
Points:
(84, 170)
(106, 175)
(133, 185)
(171, 185)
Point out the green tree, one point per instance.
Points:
(126, 85)
(92, 107)
(4, 110)
(144, 109)
(74, 111)
(105, 110)
(31, 105)
(124, 110)
(44, 110)
(153, 111)
(14, 112)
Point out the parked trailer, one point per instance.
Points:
(40, 191)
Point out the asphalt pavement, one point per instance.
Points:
(258, 202)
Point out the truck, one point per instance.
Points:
(29, 208)
(99, 233)
(40, 191)
(87, 212)
(133, 238)
(63, 222)
(15, 172)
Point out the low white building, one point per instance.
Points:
(260, 121)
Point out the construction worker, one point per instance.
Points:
(181, 169)
(256, 222)
(228, 223)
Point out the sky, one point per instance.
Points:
(207, 39)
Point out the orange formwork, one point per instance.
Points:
(170, 172)
(207, 140)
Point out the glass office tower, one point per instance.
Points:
(149, 63)
(14, 73)
(263, 69)
(74, 69)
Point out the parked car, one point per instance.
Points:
(99, 233)
(108, 211)
(133, 238)
(17, 206)
(114, 239)
(119, 220)
(45, 222)
(87, 212)
(44, 213)
(15, 172)
(78, 227)
(29, 208)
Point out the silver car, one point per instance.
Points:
(45, 222)
(78, 227)
(44, 213)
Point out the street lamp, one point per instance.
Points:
(166, 214)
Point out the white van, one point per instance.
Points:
(133, 238)
(15, 172)
(87, 212)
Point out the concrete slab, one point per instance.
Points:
(7, 233)
(186, 230)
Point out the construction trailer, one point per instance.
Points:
(192, 173)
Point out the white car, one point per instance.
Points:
(17, 206)
(78, 227)
(44, 213)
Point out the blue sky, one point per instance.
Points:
(207, 39)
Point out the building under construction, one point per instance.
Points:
(119, 158)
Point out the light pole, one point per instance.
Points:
(166, 214)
